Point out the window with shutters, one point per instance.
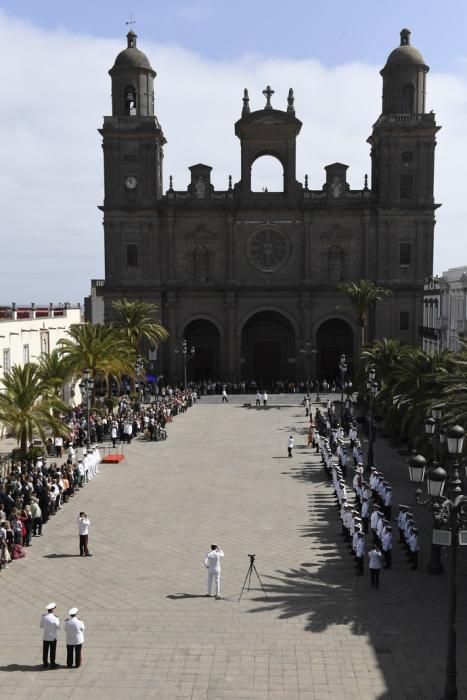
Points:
(335, 264)
(200, 264)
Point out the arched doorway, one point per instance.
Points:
(333, 338)
(268, 348)
(204, 336)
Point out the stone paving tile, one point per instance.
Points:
(223, 475)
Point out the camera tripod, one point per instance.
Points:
(247, 581)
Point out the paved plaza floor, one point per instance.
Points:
(223, 475)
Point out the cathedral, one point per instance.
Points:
(250, 279)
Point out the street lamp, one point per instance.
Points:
(139, 367)
(308, 351)
(343, 371)
(86, 386)
(372, 388)
(186, 356)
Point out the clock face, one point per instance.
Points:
(131, 182)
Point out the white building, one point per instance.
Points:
(27, 332)
(445, 310)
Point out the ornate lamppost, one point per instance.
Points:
(86, 386)
(139, 367)
(452, 523)
(308, 351)
(186, 356)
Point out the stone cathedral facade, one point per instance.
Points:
(250, 278)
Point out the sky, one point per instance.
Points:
(54, 58)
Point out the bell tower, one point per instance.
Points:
(132, 137)
(404, 137)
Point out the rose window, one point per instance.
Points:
(268, 249)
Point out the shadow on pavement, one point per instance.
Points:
(182, 596)
(60, 556)
(21, 667)
(404, 621)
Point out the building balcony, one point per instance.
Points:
(429, 332)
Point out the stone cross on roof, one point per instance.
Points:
(268, 93)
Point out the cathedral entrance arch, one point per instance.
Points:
(204, 336)
(268, 348)
(333, 338)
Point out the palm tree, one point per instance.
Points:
(136, 320)
(416, 385)
(28, 408)
(54, 372)
(98, 348)
(363, 294)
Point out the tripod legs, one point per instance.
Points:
(251, 568)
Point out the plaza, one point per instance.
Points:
(223, 475)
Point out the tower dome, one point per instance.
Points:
(405, 53)
(404, 79)
(131, 57)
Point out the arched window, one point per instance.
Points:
(200, 264)
(335, 264)
(267, 175)
(408, 99)
(130, 101)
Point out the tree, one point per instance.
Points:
(98, 348)
(136, 321)
(363, 294)
(54, 371)
(28, 408)
(416, 386)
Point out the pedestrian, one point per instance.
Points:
(360, 553)
(375, 557)
(387, 546)
(114, 433)
(50, 624)
(224, 396)
(265, 399)
(83, 527)
(290, 446)
(414, 548)
(258, 399)
(213, 565)
(74, 629)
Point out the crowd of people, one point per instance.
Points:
(37, 488)
(365, 508)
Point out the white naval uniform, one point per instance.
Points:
(213, 564)
(74, 629)
(50, 624)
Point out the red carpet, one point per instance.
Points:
(113, 459)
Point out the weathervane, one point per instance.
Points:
(130, 22)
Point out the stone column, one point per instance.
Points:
(231, 313)
(171, 306)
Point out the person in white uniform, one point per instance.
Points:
(50, 624)
(213, 565)
(74, 630)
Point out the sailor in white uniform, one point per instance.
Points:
(74, 630)
(213, 565)
(50, 625)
